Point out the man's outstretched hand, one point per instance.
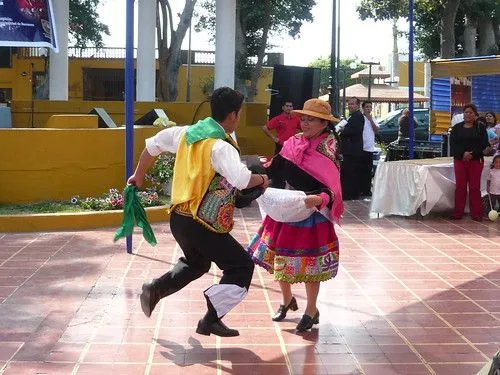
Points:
(134, 180)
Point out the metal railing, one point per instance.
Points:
(197, 57)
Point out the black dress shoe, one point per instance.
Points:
(306, 323)
(149, 298)
(281, 313)
(218, 328)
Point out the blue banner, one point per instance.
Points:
(27, 23)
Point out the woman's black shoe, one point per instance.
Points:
(306, 323)
(281, 313)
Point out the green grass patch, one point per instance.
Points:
(50, 207)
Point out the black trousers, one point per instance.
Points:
(351, 173)
(201, 247)
(367, 168)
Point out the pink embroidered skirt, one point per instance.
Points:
(304, 251)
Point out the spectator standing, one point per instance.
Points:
(493, 182)
(404, 125)
(352, 151)
(370, 129)
(468, 142)
(493, 129)
(285, 125)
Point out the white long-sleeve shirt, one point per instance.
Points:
(224, 158)
(369, 135)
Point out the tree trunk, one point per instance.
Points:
(447, 35)
(470, 33)
(487, 44)
(496, 28)
(169, 58)
(261, 52)
(395, 51)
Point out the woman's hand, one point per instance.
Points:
(467, 156)
(313, 201)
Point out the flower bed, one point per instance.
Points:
(113, 200)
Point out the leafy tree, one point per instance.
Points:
(256, 21)
(169, 46)
(444, 10)
(345, 67)
(84, 24)
(481, 19)
(386, 10)
(445, 28)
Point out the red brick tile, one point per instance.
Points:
(457, 368)
(8, 349)
(471, 320)
(481, 335)
(432, 335)
(63, 352)
(107, 369)
(449, 353)
(32, 368)
(388, 369)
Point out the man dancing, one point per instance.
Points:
(208, 173)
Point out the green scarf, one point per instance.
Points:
(203, 129)
(134, 212)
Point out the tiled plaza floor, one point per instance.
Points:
(412, 297)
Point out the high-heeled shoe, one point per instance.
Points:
(306, 323)
(281, 313)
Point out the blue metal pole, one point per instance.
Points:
(129, 99)
(411, 125)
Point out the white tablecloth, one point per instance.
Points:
(402, 187)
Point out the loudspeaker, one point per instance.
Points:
(294, 83)
(104, 120)
(150, 117)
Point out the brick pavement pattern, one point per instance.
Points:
(412, 297)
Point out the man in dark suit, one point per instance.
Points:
(352, 152)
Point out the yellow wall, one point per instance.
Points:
(55, 164)
(254, 115)
(418, 73)
(21, 86)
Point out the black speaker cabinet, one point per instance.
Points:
(104, 120)
(294, 83)
(150, 117)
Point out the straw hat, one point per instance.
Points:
(317, 108)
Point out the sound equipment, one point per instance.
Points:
(104, 120)
(150, 117)
(294, 83)
(399, 150)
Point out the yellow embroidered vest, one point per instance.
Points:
(198, 190)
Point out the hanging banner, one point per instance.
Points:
(27, 23)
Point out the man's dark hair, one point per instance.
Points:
(224, 101)
(358, 102)
(365, 103)
(286, 100)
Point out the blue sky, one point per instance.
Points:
(362, 39)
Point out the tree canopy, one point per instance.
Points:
(84, 25)
(345, 67)
(444, 28)
(256, 22)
